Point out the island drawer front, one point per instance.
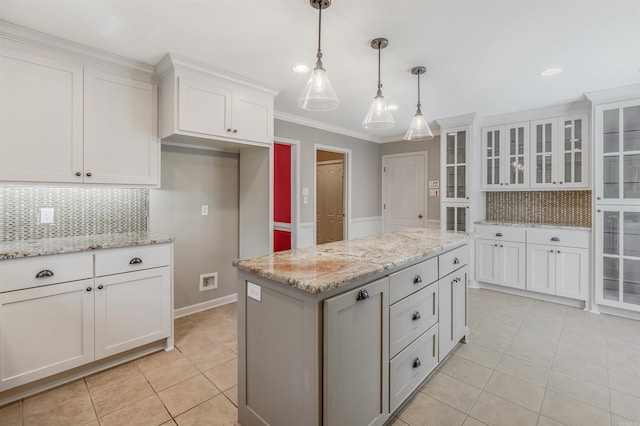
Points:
(505, 233)
(16, 274)
(559, 237)
(129, 259)
(410, 367)
(452, 260)
(411, 317)
(412, 279)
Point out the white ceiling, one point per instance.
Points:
(481, 55)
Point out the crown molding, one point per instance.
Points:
(77, 52)
(614, 95)
(296, 119)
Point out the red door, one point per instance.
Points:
(281, 197)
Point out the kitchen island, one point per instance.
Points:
(343, 333)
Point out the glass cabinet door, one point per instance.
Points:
(455, 165)
(618, 153)
(543, 161)
(517, 151)
(456, 218)
(618, 268)
(491, 152)
(572, 155)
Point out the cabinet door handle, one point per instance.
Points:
(498, 234)
(434, 303)
(456, 260)
(555, 239)
(417, 279)
(89, 289)
(44, 273)
(433, 346)
(452, 315)
(416, 363)
(416, 316)
(135, 261)
(100, 287)
(362, 295)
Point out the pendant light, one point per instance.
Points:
(318, 94)
(379, 116)
(418, 129)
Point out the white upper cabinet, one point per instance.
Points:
(455, 164)
(63, 122)
(198, 102)
(40, 118)
(505, 154)
(120, 134)
(559, 153)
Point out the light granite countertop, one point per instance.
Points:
(332, 265)
(46, 246)
(533, 225)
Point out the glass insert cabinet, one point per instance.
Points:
(505, 157)
(455, 163)
(456, 217)
(617, 214)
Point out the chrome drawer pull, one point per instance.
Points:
(416, 363)
(135, 261)
(44, 273)
(555, 239)
(362, 295)
(417, 279)
(456, 260)
(416, 316)
(499, 234)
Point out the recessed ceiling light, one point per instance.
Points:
(551, 71)
(300, 68)
(392, 107)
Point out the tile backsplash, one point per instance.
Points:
(78, 211)
(549, 207)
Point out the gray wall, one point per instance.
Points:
(365, 174)
(192, 178)
(433, 167)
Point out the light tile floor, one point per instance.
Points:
(526, 362)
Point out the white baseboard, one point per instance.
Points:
(534, 295)
(199, 307)
(610, 310)
(365, 226)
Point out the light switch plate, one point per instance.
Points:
(46, 215)
(205, 210)
(254, 291)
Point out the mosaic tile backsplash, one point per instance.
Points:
(550, 207)
(78, 211)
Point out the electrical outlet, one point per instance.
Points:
(205, 210)
(209, 281)
(46, 215)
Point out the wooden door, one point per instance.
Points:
(330, 199)
(403, 191)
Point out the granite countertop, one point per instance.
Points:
(332, 265)
(45, 246)
(533, 225)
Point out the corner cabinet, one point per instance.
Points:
(63, 122)
(356, 353)
(201, 102)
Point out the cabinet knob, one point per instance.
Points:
(558, 251)
(416, 316)
(88, 174)
(560, 182)
(598, 198)
(100, 287)
(235, 130)
(507, 183)
(44, 273)
(78, 174)
(456, 260)
(135, 261)
(419, 216)
(416, 363)
(598, 210)
(363, 295)
(501, 183)
(228, 130)
(501, 245)
(551, 251)
(499, 234)
(89, 289)
(417, 279)
(555, 239)
(495, 245)
(553, 182)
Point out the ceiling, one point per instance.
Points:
(482, 56)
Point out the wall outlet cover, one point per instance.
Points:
(47, 215)
(254, 291)
(209, 281)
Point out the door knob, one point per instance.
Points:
(419, 216)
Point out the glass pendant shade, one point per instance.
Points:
(379, 116)
(418, 129)
(318, 94)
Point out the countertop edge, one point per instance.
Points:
(532, 225)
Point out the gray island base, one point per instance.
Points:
(344, 333)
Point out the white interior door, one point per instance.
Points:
(403, 191)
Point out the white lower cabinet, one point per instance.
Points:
(452, 302)
(48, 327)
(132, 309)
(561, 271)
(500, 262)
(45, 330)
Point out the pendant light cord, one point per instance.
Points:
(379, 84)
(419, 111)
(319, 54)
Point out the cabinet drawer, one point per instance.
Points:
(506, 233)
(452, 260)
(559, 237)
(129, 259)
(411, 317)
(410, 367)
(412, 279)
(22, 273)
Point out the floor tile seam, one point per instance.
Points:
(581, 401)
(229, 399)
(520, 405)
(124, 406)
(449, 405)
(211, 381)
(192, 408)
(165, 366)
